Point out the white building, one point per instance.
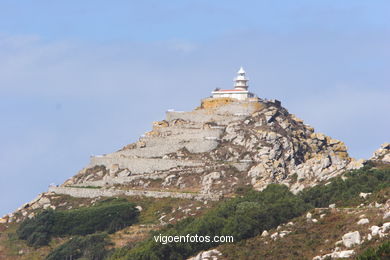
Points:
(240, 90)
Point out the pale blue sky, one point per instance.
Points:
(87, 77)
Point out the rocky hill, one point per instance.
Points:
(219, 146)
(207, 160)
(208, 153)
(382, 154)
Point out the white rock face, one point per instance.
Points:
(385, 227)
(381, 231)
(208, 180)
(364, 195)
(374, 230)
(387, 204)
(386, 207)
(207, 255)
(382, 154)
(352, 238)
(363, 221)
(284, 233)
(274, 236)
(265, 233)
(343, 254)
(338, 254)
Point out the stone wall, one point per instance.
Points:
(93, 193)
(170, 139)
(223, 114)
(139, 165)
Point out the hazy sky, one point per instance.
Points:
(87, 77)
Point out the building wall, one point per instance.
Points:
(239, 96)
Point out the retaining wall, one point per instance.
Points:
(140, 165)
(93, 193)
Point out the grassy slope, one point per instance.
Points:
(309, 239)
(306, 239)
(152, 209)
(343, 192)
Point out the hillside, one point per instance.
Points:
(208, 153)
(227, 167)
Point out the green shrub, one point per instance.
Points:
(346, 192)
(37, 231)
(241, 218)
(109, 216)
(380, 253)
(91, 247)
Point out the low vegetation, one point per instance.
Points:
(241, 217)
(108, 216)
(246, 216)
(379, 253)
(88, 247)
(345, 192)
(305, 239)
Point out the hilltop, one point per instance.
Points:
(242, 142)
(238, 165)
(208, 153)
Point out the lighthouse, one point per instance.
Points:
(240, 90)
(241, 82)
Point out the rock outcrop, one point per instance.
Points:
(212, 254)
(222, 145)
(382, 154)
(335, 255)
(352, 238)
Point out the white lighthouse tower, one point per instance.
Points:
(241, 82)
(240, 90)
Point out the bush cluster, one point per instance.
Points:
(109, 217)
(346, 192)
(88, 247)
(241, 217)
(379, 253)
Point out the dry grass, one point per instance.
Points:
(131, 235)
(11, 248)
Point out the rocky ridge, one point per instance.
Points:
(218, 147)
(382, 154)
(209, 152)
